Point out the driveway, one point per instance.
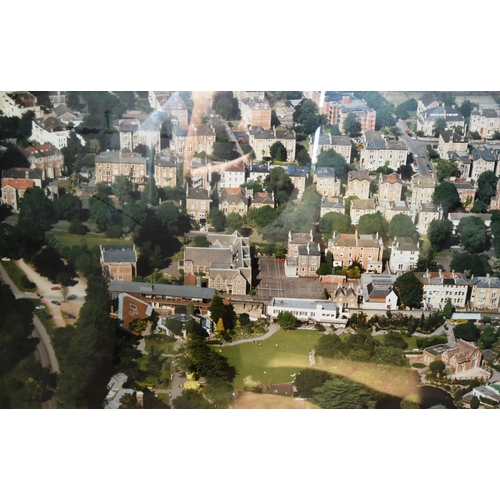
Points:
(76, 295)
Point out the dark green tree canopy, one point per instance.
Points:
(439, 233)
(335, 222)
(278, 151)
(409, 289)
(447, 196)
(445, 169)
(470, 264)
(486, 186)
(372, 224)
(343, 393)
(279, 183)
(286, 320)
(402, 225)
(309, 379)
(467, 331)
(473, 234)
(332, 159)
(352, 126)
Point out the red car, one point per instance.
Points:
(55, 288)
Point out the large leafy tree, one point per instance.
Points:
(447, 196)
(470, 264)
(343, 393)
(278, 151)
(402, 225)
(402, 110)
(473, 234)
(68, 207)
(286, 320)
(335, 222)
(329, 346)
(307, 117)
(309, 379)
(279, 183)
(332, 159)
(439, 233)
(486, 186)
(409, 289)
(467, 331)
(352, 126)
(439, 126)
(217, 219)
(445, 169)
(373, 223)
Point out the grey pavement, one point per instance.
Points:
(273, 328)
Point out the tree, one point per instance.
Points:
(122, 187)
(303, 158)
(342, 393)
(307, 117)
(331, 159)
(150, 194)
(402, 225)
(278, 151)
(474, 403)
(439, 233)
(279, 183)
(329, 346)
(234, 222)
(486, 186)
(334, 222)
(286, 320)
(402, 111)
(445, 169)
(309, 379)
(226, 105)
(447, 196)
(448, 309)
(174, 220)
(264, 216)
(67, 207)
(373, 223)
(217, 219)
(473, 234)
(191, 399)
(470, 264)
(437, 368)
(488, 338)
(225, 150)
(409, 289)
(395, 339)
(394, 356)
(467, 331)
(351, 125)
(439, 126)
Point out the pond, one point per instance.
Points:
(429, 396)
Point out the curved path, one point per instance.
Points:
(273, 328)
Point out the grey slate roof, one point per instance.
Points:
(486, 282)
(119, 253)
(156, 289)
(484, 153)
(118, 157)
(325, 172)
(197, 194)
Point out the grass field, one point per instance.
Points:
(250, 400)
(92, 239)
(411, 341)
(268, 363)
(399, 97)
(15, 274)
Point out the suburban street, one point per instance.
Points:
(416, 146)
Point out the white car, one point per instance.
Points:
(5, 259)
(40, 307)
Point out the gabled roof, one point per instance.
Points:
(20, 173)
(360, 175)
(18, 183)
(391, 179)
(483, 153)
(428, 98)
(118, 253)
(197, 194)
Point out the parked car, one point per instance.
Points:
(5, 259)
(55, 288)
(55, 302)
(40, 307)
(69, 316)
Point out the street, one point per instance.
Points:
(416, 146)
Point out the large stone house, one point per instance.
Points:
(439, 287)
(189, 141)
(256, 112)
(327, 184)
(165, 171)
(366, 249)
(119, 262)
(360, 208)
(459, 357)
(50, 129)
(233, 175)
(358, 184)
(390, 188)
(450, 141)
(45, 157)
(303, 256)
(233, 201)
(110, 164)
(422, 189)
(427, 120)
(226, 261)
(198, 204)
(485, 122)
(333, 204)
(485, 292)
(340, 144)
(135, 131)
(261, 141)
(379, 151)
(483, 160)
(13, 190)
(16, 104)
(404, 255)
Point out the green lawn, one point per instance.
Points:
(163, 347)
(399, 97)
(92, 239)
(411, 341)
(278, 363)
(15, 274)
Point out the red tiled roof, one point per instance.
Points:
(18, 183)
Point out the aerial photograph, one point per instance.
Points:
(309, 249)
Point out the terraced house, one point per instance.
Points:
(485, 122)
(110, 164)
(485, 292)
(261, 141)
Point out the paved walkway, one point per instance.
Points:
(440, 331)
(273, 328)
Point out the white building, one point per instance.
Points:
(50, 129)
(439, 287)
(321, 311)
(404, 255)
(233, 175)
(15, 104)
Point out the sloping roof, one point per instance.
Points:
(392, 179)
(405, 244)
(486, 282)
(52, 124)
(20, 173)
(360, 175)
(118, 253)
(325, 172)
(428, 98)
(452, 136)
(363, 205)
(197, 194)
(18, 183)
(483, 153)
(155, 288)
